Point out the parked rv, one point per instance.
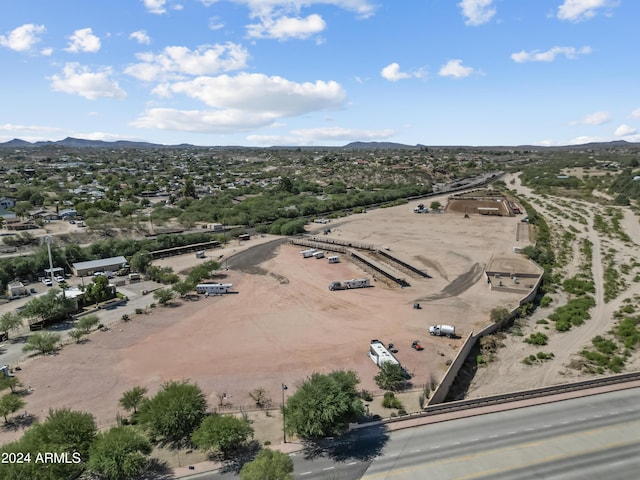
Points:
(443, 330)
(308, 253)
(357, 283)
(333, 259)
(348, 284)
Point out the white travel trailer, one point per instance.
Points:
(356, 283)
(308, 253)
(379, 354)
(214, 288)
(333, 259)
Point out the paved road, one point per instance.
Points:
(595, 436)
(590, 437)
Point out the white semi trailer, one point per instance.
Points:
(214, 288)
(308, 253)
(443, 330)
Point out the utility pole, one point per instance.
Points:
(48, 241)
(284, 428)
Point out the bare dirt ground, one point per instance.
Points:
(284, 324)
(508, 373)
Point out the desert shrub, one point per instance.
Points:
(537, 338)
(545, 301)
(391, 401)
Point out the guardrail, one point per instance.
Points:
(533, 393)
(404, 264)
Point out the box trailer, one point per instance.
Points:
(308, 253)
(214, 288)
(333, 259)
(443, 330)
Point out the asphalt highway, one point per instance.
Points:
(590, 437)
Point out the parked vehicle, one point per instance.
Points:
(47, 282)
(416, 346)
(443, 330)
(59, 278)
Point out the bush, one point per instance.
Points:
(391, 401)
(537, 338)
(545, 301)
(366, 395)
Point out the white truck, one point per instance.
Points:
(443, 330)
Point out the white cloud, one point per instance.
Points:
(477, 12)
(81, 81)
(155, 6)
(203, 121)
(287, 27)
(83, 40)
(454, 68)
(242, 102)
(597, 118)
(215, 23)
(392, 73)
(578, 10)
(12, 128)
(141, 37)
(175, 61)
(22, 38)
(364, 8)
(635, 113)
(625, 130)
(260, 93)
(549, 55)
(321, 135)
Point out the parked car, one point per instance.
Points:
(32, 291)
(47, 282)
(59, 278)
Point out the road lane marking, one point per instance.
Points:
(328, 468)
(352, 463)
(305, 473)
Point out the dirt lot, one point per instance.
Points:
(283, 323)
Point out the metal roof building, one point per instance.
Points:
(112, 264)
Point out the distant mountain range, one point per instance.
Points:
(70, 142)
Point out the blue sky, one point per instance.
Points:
(321, 72)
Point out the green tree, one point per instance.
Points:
(163, 296)
(222, 433)
(44, 342)
(10, 382)
(119, 454)
(391, 376)
(174, 413)
(87, 322)
(268, 465)
(182, 288)
(140, 261)
(131, 399)
(50, 306)
(66, 430)
(76, 334)
(10, 321)
(10, 403)
(435, 205)
(324, 405)
(99, 290)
